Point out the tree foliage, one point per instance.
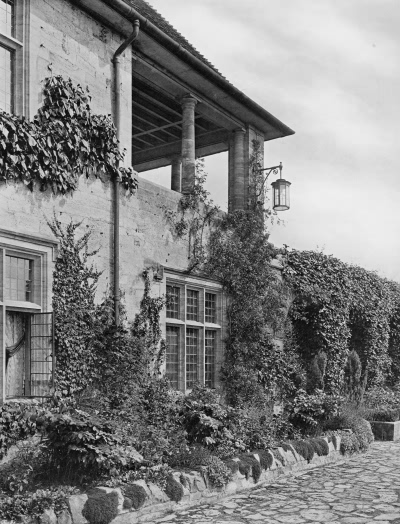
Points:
(64, 141)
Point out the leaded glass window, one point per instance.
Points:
(173, 302)
(192, 312)
(18, 281)
(210, 308)
(209, 358)
(192, 356)
(172, 356)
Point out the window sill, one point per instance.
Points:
(10, 42)
(175, 321)
(17, 305)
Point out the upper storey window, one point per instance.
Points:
(7, 17)
(11, 55)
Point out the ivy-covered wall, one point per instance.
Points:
(64, 40)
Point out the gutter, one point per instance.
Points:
(117, 119)
(166, 41)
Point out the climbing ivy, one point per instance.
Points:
(338, 308)
(194, 218)
(147, 328)
(64, 141)
(90, 349)
(75, 312)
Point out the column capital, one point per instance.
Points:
(239, 131)
(189, 100)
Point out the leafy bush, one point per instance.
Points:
(191, 458)
(309, 412)
(206, 420)
(359, 426)
(100, 507)
(17, 422)
(383, 415)
(382, 398)
(80, 445)
(34, 504)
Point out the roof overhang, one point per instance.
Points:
(217, 97)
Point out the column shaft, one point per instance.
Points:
(188, 145)
(237, 178)
(176, 183)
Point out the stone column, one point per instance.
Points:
(176, 165)
(188, 144)
(237, 178)
(240, 152)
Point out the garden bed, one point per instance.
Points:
(146, 501)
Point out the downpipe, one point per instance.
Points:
(117, 122)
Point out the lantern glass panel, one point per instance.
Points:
(281, 194)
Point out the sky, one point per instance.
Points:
(330, 70)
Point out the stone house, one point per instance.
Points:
(170, 105)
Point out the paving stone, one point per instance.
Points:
(362, 490)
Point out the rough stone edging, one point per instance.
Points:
(196, 489)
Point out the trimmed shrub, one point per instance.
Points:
(101, 507)
(218, 472)
(278, 456)
(233, 465)
(128, 504)
(266, 458)
(321, 447)
(304, 449)
(349, 443)
(136, 494)
(244, 468)
(255, 466)
(174, 489)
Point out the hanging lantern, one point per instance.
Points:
(281, 194)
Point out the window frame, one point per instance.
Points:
(183, 323)
(43, 253)
(20, 59)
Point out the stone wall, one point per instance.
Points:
(145, 235)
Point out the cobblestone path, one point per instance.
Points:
(362, 490)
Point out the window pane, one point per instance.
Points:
(6, 79)
(173, 294)
(7, 17)
(172, 356)
(41, 354)
(192, 305)
(18, 284)
(211, 308)
(209, 370)
(192, 355)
